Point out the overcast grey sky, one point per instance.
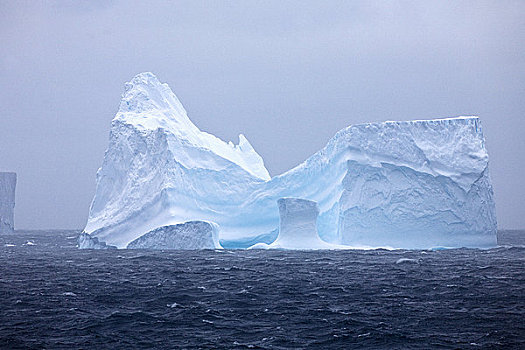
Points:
(287, 74)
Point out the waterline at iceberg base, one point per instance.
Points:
(412, 184)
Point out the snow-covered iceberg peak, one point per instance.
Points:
(149, 104)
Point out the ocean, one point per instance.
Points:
(54, 296)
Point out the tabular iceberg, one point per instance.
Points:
(7, 202)
(415, 184)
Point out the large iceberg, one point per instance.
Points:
(413, 184)
(7, 202)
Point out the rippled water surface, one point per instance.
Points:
(55, 296)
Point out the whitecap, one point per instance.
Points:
(407, 260)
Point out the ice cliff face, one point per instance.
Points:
(416, 184)
(7, 202)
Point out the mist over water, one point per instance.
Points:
(53, 295)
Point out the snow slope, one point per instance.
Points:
(415, 184)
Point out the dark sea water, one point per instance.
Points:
(54, 296)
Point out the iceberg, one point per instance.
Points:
(409, 184)
(7, 202)
(86, 241)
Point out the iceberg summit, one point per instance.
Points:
(165, 184)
